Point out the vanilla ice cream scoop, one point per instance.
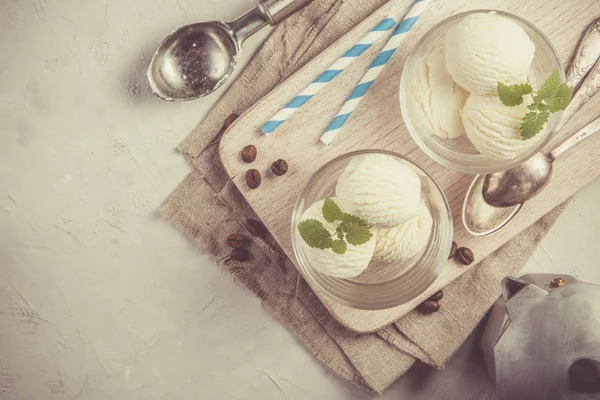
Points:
(494, 129)
(380, 189)
(407, 239)
(483, 49)
(348, 265)
(436, 98)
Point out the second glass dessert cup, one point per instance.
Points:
(385, 284)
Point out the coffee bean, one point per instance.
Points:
(253, 178)
(240, 254)
(236, 241)
(279, 167)
(453, 250)
(229, 120)
(256, 228)
(464, 256)
(428, 307)
(437, 296)
(249, 154)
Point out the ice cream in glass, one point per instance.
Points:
(474, 91)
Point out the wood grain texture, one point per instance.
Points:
(377, 124)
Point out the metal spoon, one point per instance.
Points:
(197, 59)
(587, 57)
(519, 184)
(481, 218)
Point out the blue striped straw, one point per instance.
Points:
(327, 76)
(374, 70)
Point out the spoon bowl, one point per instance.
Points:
(481, 219)
(193, 61)
(519, 184)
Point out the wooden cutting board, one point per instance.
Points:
(377, 124)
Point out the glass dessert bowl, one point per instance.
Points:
(448, 90)
(387, 196)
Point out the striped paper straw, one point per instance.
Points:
(374, 71)
(327, 76)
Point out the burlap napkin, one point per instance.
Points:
(208, 207)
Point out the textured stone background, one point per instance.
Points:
(101, 299)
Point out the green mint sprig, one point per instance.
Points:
(351, 230)
(552, 97)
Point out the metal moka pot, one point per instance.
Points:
(542, 339)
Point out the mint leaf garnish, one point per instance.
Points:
(314, 234)
(356, 234)
(553, 96)
(513, 95)
(561, 99)
(331, 211)
(339, 246)
(549, 88)
(355, 219)
(533, 123)
(351, 230)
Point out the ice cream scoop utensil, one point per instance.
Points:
(519, 184)
(197, 59)
(374, 70)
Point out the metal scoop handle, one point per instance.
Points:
(266, 11)
(276, 11)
